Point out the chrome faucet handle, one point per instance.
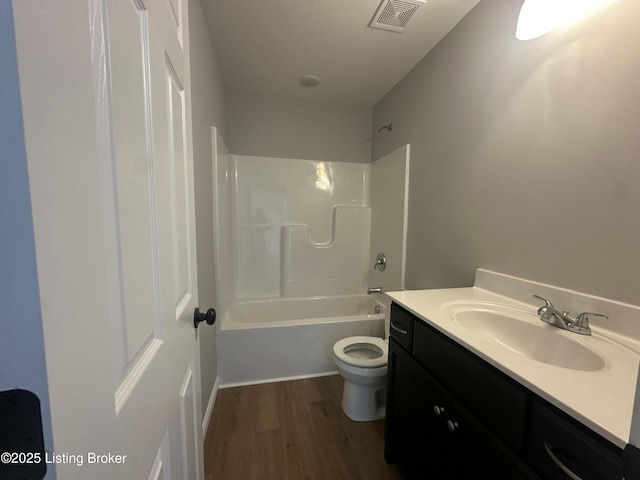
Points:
(548, 303)
(381, 262)
(581, 323)
(582, 320)
(545, 312)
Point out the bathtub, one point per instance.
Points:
(281, 339)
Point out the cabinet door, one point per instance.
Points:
(480, 455)
(416, 437)
(492, 398)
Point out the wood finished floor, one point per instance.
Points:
(292, 430)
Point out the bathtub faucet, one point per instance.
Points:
(374, 290)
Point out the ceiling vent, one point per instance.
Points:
(394, 14)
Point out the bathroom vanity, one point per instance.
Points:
(464, 401)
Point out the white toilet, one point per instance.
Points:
(362, 362)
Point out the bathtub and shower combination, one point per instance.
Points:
(293, 238)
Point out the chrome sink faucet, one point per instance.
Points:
(554, 317)
(561, 319)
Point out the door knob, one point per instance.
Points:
(209, 317)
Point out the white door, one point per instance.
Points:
(105, 92)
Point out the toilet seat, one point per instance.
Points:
(342, 347)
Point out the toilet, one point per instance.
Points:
(362, 362)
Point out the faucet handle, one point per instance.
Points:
(548, 303)
(381, 262)
(546, 311)
(582, 320)
(581, 323)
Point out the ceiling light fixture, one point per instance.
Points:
(539, 17)
(310, 81)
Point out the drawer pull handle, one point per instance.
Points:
(438, 410)
(559, 464)
(398, 329)
(452, 426)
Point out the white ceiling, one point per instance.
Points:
(265, 46)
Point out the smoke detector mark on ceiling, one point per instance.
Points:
(394, 14)
(310, 81)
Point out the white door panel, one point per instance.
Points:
(179, 191)
(124, 378)
(133, 162)
(188, 425)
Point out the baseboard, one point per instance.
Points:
(279, 379)
(206, 418)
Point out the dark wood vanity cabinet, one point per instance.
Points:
(430, 432)
(450, 415)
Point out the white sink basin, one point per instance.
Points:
(524, 334)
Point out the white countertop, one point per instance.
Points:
(602, 400)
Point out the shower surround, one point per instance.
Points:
(294, 262)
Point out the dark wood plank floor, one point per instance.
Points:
(292, 430)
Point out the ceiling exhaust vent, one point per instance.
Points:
(394, 14)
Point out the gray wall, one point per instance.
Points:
(525, 156)
(208, 107)
(278, 127)
(22, 355)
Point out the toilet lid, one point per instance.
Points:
(367, 352)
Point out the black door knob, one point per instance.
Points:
(209, 317)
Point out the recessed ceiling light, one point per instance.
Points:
(309, 80)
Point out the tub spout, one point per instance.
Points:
(374, 290)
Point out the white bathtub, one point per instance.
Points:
(269, 340)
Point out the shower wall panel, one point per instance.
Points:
(389, 203)
(223, 225)
(272, 193)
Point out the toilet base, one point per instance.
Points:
(364, 403)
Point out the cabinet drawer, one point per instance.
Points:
(402, 326)
(495, 400)
(557, 446)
